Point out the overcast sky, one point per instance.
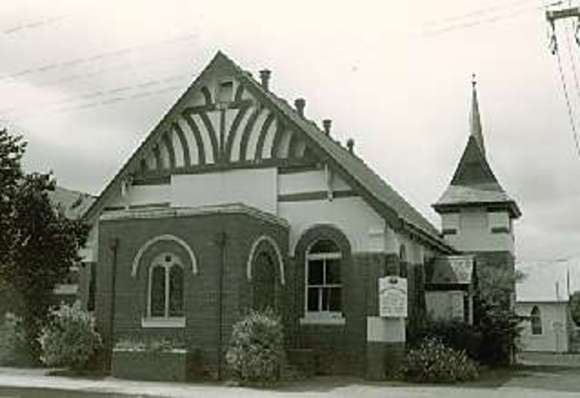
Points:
(85, 81)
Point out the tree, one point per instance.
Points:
(575, 307)
(495, 316)
(39, 244)
(11, 151)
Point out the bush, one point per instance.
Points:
(575, 307)
(454, 334)
(434, 362)
(14, 347)
(70, 337)
(150, 345)
(500, 329)
(256, 350)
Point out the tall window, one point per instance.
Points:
(403, 271)
(165, 298)
(323, 278)
(536, 320)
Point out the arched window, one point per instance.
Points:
(536, 320)
(403, 268)
(323, 278)
(165, 295)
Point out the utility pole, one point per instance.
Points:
(552, 16)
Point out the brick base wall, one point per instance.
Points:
(201, 292)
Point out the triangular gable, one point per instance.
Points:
(191, 137)
(283, 134)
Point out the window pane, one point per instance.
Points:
(176, 291)
(158, 292)
(332, 271)
(312, 304)
(315, 270)
(324, 246)
(334, 300)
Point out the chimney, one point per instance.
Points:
(300, 103)
(326, 123)
(350, 145)
(265, 78)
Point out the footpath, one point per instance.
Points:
(37, 383)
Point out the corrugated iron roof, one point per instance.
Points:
(73, 203)
(452, 270)
(361, 173)
(355, 166)
(547, 281)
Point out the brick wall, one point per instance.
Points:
(201, 297)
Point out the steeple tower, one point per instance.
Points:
(475, 210)
(474, 118)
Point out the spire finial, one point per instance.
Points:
(474, 117)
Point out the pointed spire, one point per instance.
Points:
(474, 118)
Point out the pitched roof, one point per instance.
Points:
(452, 270)
(73, 203)
(352, 164)
(387, 200)
(474, 181)
(547, 281)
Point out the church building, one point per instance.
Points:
(236, 200)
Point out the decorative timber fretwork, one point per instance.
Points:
(238, 133)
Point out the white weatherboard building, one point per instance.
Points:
(543, 297)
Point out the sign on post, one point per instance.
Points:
(393, 297)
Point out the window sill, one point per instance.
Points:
(322, 320)
(163, 322)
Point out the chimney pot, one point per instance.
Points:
(350, 145)
(300, 103)
(265, 78)
(326, 123)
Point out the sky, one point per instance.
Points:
(86, 81)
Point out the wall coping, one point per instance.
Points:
(176, 212)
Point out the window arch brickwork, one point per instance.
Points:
(322, 235)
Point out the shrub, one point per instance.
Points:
(70, 338)
(500, 329)
(434, 362)
(575, 307)
(256, 350)
(454, 334)
(149, 345)
(494, 315)
(14, 347)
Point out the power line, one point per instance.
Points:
(568, 105)
(143, 64)
(480, 21)
(571, 57)
(95, 58)
(475, 13)
(96, 94)
(552, 17)
(34, 25)
(104, 103)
